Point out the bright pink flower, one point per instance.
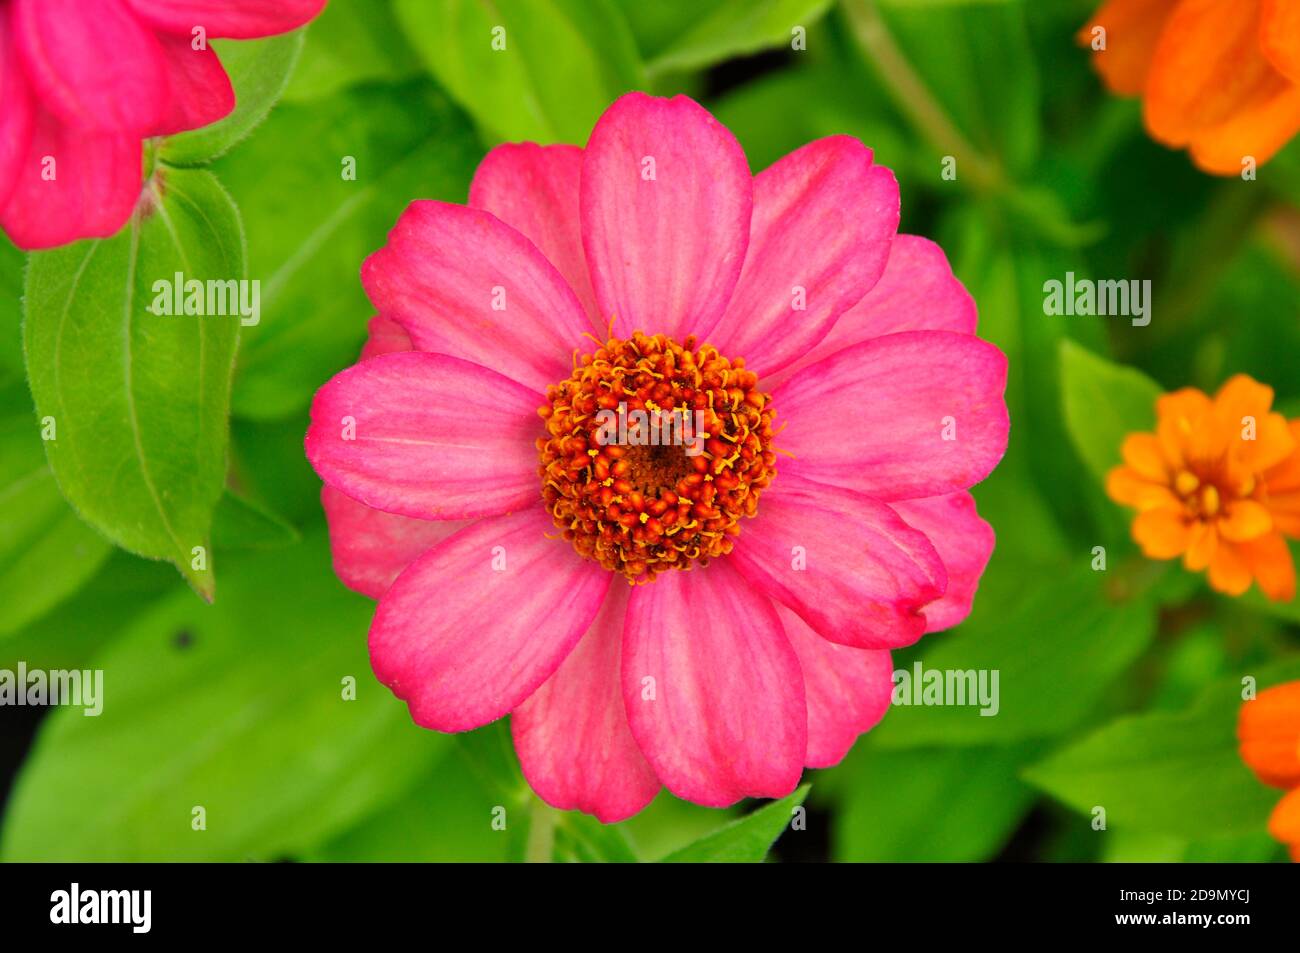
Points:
(82, 82)
(727, 680)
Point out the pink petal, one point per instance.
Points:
(847, 564)
(713, 690)
(16, 110)
(92, 194)
(477, 623)
(200, 90)
(574, 744)
(664, 253)
(534, 189)
(915, 414)
(964, 542)
(848, 690)
(98, 69)
(385, 337)
(371, 547)
(917, 292)
(427, 435)
(241, 19)
(444, 268)
(823, 220)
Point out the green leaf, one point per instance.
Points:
(1254, 848)
(139, 400)
(736, 28)
(584, 839)
(242, 524)
(259, 71)
(668, 824)
(1068, 629)
(533, 831)
(490, 753)
(967, 79)
(1176, 773)
(46, 553)
(12, 262)
(929, 805)
(267, 463)
(446, 817)
(310, 227)
(80, 626)
(351, 42)
(746, 840)
(237, 708)
(1127, 846)
(1103, 402)
(563, 62)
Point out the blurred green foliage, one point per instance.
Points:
(1119, 686)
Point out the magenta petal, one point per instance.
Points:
(200, 90)
(917, 292)
(385, 337)
(534, 189)
(16, 111)
(102, 70)
(666, 201)
(371, 547)
(240, 19)
(574, 744)
(94, 189)
(907, 415)
(427, 435)
(462, 282)
(477, 623)
(823, 220)
(964, 542)
(848, 690)
(713, 690)
(847, 564)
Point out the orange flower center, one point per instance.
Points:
(1206, 492)
(655, 450)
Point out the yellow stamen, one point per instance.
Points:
(1210, 500)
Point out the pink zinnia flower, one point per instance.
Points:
(82, 82)
(500, 543)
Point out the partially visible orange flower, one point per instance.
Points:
(1219, 76)
(1218, 484)
(1268, 730)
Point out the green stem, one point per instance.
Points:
(912, 96)
(927, 116)
(540, 847)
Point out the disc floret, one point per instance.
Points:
(669, 490)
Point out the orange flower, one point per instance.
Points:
(1218, 483)
(1220, 76)
(1268, 730)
